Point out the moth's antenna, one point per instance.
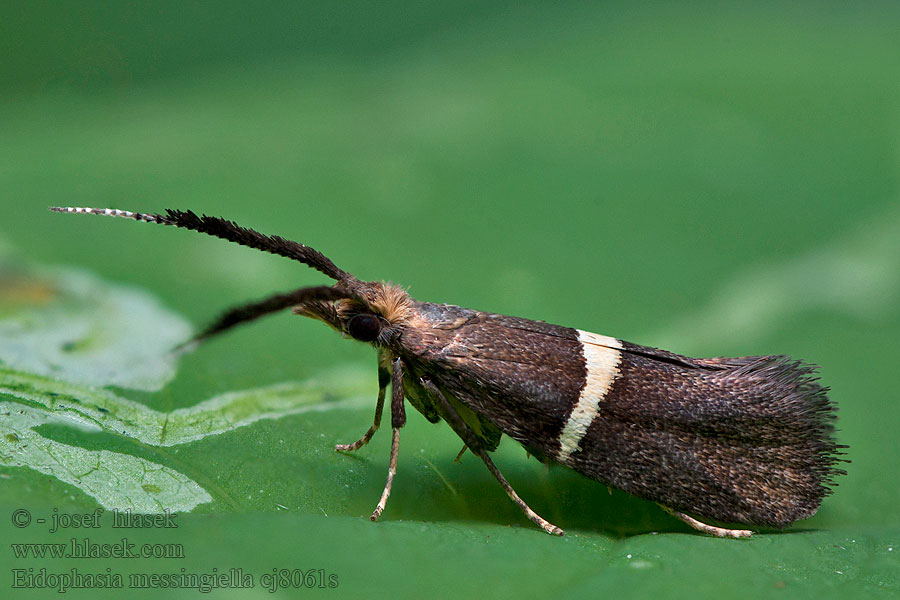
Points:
(227, 230)
(254, 310)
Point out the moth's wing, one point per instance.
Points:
(736, 439)
(423, 401)
(745, 439)
(520, 377)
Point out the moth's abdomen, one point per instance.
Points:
(747, 440)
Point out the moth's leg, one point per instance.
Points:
(398, 420)
(710, 529)
(474, 444)
(384, 377)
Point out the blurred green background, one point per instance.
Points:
(711, 178)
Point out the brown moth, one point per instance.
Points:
(741, 440)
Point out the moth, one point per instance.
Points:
(746, 440)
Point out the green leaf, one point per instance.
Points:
(118, 480)
(711, 179)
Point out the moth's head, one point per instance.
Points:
(372, 312)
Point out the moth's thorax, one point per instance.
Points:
(432, 329)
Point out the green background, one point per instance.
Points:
(710, 178)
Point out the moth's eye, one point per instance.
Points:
(364, 328)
